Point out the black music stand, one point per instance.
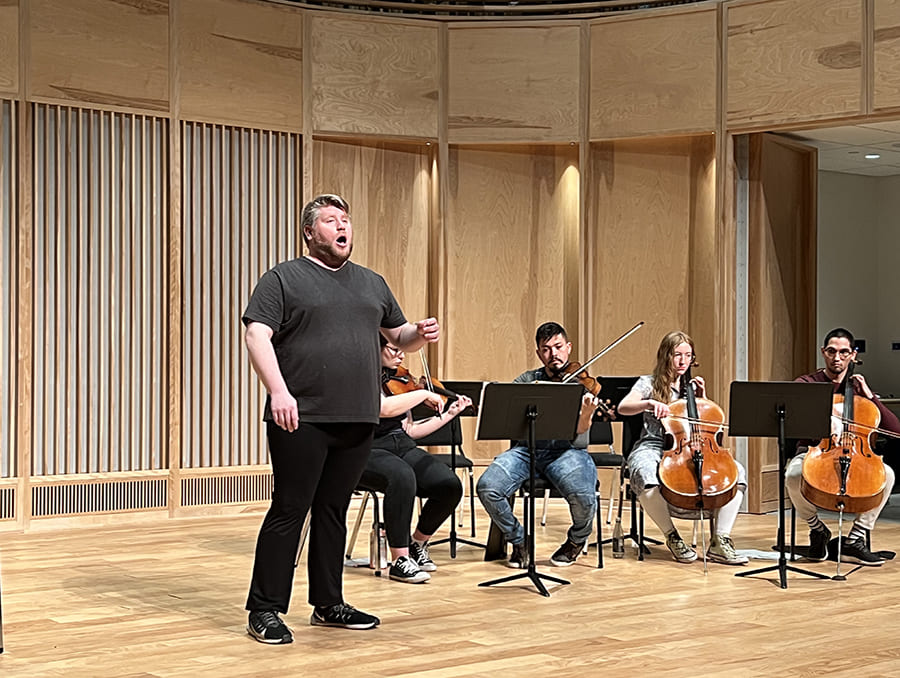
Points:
(534, 411)
(782, 409)
(472, 389)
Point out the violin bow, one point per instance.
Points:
(603, 352)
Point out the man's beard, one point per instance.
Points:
(328, 254)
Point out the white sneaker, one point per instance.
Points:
(721, 550)
(680, 551)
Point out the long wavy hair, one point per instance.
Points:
(664, 374)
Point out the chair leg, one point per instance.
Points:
(640, 521)
(303, 534)
(376, 526)
(793, 533)
(472, 500)
(599, 533)
(544, 514)
(359, 518)
(612, 497)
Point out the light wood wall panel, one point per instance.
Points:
(9, 46)
(239, 62)
(781, 283)
(886, 87)
(513, 84)
(374, 77)
(509, 215)
(389, 187)
(793, 60)
(650, 209)
(108, 52)
(654, 74)
(100, 242)
(241, 212)
(9, 284)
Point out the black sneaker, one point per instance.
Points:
(420, 556)
(518, 559)
(856, 552)
(343, 616)
(566, 554)
(818, 544)
(266, 627)
(405, 569)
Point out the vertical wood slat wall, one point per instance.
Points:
(9, 181)
(100, 242)
(241, 203)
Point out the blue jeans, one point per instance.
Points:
(572, 472)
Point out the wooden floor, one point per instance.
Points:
(167, 599)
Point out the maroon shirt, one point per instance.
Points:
(889, 420)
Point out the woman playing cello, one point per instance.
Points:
(839, 352)
(652, 395)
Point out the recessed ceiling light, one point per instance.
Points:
(872, 156)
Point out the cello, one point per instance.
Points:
(842, 473)
(695, 472)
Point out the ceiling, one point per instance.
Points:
(843, 149)
(461, 10)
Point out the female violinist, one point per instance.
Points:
(651, 396)
(402, 471)
(839, 352)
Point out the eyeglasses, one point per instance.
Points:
(393, 350)
(831, 352)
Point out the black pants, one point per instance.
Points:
(402, 471)
(316, 467)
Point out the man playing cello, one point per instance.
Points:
(838, 351)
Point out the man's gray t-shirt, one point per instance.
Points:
(325, 327)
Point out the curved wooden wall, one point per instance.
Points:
(500, 176)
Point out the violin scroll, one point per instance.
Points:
(574, 371)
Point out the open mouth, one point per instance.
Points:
(341, 240)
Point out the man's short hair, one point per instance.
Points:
(839, 333)
(312, 208)
(547, 331)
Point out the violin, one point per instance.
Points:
(695, 471)
(575, 371)
(402, 381)
(842, 473)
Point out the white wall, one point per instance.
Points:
(858, 269)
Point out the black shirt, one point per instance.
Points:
(325, 327)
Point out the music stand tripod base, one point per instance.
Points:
(532, 411)
(780, 409)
